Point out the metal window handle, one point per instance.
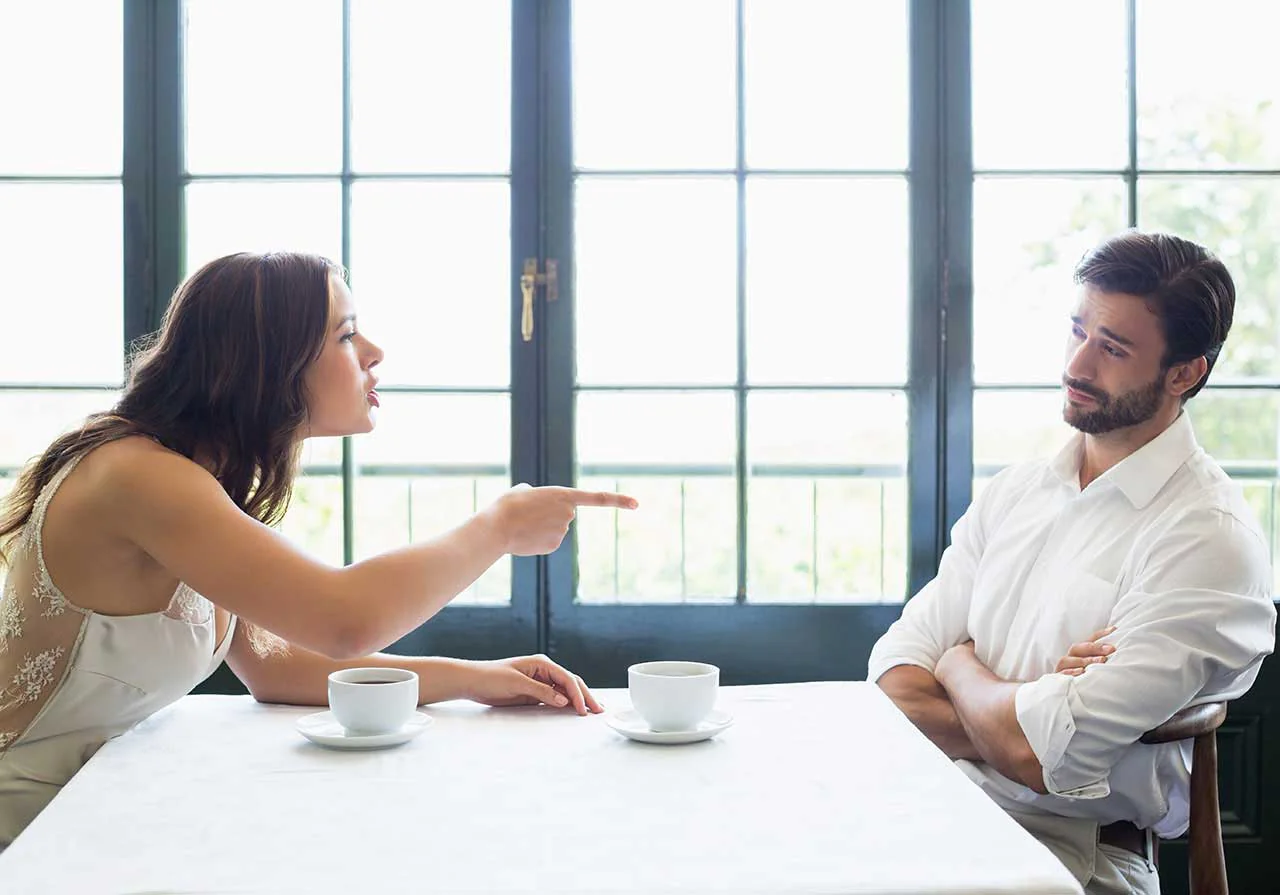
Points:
(529, 281)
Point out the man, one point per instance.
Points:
(1086, 599)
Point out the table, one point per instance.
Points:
(817, 788)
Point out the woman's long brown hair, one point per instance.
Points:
(222, 380)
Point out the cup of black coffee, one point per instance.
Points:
(371, 701)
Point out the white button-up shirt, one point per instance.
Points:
(1164, 547)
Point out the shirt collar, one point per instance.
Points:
(1142, 474)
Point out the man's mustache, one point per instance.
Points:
(1075, 384)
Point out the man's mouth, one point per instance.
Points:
(1079, 397)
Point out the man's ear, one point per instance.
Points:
(1183, 377)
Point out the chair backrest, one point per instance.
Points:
(1207, 863)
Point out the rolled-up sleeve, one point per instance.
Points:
(936, 618)
(1194, 628)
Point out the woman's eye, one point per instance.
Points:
(347, 337)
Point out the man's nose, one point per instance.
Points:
(1080, 361)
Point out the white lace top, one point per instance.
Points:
(70, 679)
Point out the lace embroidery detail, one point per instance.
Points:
(48, 595)
(189, 606)
(6, 739)
(34, 674)
(11, 617)
(24, 538)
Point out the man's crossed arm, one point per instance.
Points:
(968, 712)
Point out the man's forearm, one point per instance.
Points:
(984, 704)
(924, 701)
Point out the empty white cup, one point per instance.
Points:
(673, 696)
(369, 701)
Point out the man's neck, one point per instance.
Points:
(1101, 452)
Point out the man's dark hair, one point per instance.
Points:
(1184, 285)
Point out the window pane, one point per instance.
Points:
(471, 432)
(1235, 218)
(1039, 99)
(432, 462)
(656, 271)
(263, 86)
(1028, 236)
(44, 415)
(1238, 427)
(1241, 430)
(827, 498)
(314, 519)
(62, 73)
(1012, 427)
(849, 63)
(225, 217)
(654, 84)
(392, 511)
(679, 463)
(431, 85)
(827, 280)
(63, 266)
(430, 271)
(1207, 84)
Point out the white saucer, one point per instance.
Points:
(629, 723)
(324, 730)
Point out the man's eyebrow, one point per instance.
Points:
(1115, 336)
(1109, 333)
(350, 318)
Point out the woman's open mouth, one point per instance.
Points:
(373, 398)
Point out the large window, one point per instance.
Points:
(378, 135)
(742, 300)
(795, 274)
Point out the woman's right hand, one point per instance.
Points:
(533, 521)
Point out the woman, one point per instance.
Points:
(134, 544)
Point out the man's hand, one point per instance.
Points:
(1086, 653)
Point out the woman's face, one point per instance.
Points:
(340, 383)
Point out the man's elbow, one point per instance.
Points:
(1029, 771)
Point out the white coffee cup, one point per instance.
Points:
(673, 696)
(368, 701)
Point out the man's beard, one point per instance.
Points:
(1112, 412)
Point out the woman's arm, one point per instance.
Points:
(177, 513)
(298, 676)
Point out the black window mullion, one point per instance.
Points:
(152, 173)
(926, 434)
(957, 269)
(1131, 64)
(559, 585)
(740, 397)
(533, 64)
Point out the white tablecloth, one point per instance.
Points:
(817, 788)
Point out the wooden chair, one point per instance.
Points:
(1207, 864)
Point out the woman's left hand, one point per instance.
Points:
(529, 680)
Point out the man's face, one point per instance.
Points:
(1114, 375)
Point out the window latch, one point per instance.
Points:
(529, 281)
